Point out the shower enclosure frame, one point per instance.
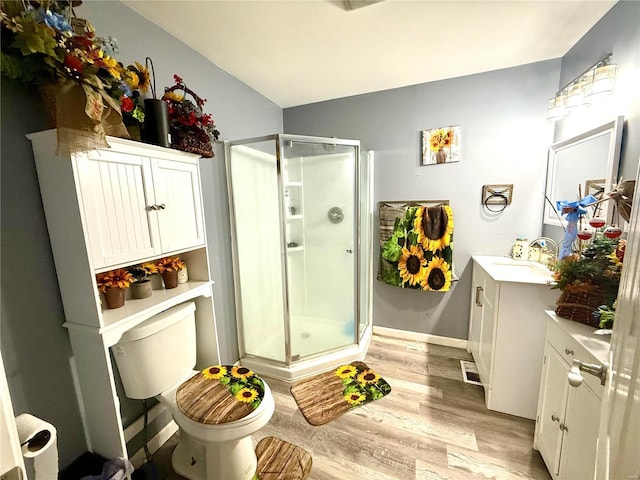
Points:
(291, 368)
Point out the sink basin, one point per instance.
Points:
(505, 269)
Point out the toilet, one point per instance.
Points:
(217, 409)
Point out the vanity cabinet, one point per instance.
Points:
(110, 208)
(506, 335)
(568, 417)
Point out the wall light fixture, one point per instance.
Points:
(597, 80)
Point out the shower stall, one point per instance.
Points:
(301, 211)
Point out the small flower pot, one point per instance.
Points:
(114, 297)
(170, 279)
(141, 289)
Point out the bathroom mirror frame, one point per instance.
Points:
(567, 168)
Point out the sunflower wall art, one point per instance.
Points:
(441, 145)
(417, 252)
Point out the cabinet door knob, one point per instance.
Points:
(568, 351)
(162, 206)
(554, 418)
(152, 207)
(563, 427)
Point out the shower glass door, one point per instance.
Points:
(319, 192)
(258, 272)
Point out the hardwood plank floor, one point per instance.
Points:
(432, 426)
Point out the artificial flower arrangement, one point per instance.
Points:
(112, 284)
(169, 264)
(119, 278)
(589, 281)
(191, 129)
(142, 271)
(45, 44)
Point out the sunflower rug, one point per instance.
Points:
(325, 397)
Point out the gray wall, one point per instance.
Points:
(504, 140)
(35, 346)
(618, 33)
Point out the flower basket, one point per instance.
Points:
(579, 307)
(48, 93)
(191, 130)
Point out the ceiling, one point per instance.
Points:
(297, 52)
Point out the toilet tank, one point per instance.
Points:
(158, 353)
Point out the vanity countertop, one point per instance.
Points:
(506, 269)
(596, 345)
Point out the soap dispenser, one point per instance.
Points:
(520, 249)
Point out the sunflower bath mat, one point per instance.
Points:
(327, 396)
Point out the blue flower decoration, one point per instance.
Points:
(52, 20)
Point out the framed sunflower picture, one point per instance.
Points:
(441, 145)
(417, 252)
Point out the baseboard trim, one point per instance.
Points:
(138, 458)
(420, 337)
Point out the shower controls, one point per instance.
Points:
(335, 215)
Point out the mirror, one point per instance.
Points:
(586, 163)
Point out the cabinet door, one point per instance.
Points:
(475, 319)
(552, 409)
(177, 193)
(580, 437)
(487, 334)
(115, 190)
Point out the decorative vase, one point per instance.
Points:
(183, 275)
(441, 156)
(114, 297)
(156, 122)
(141, 289)
(170, 279)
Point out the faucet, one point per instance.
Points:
(547, 253)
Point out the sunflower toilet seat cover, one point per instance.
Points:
(220, 394)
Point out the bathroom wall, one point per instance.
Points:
(504, 140)
(35, 346)
(617, 33)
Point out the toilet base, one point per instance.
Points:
(224, 460)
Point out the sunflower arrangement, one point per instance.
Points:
(119, 278)
(440, 138)
(361, 384)
(169, 264)
(419, 253)
(141, 272)
(128, 92)
(242, 382)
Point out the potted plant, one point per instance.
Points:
(112, 284)
(589, 280)
(141, 287)
(169, 268)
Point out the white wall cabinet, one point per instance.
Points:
(506, 338)
(137, 206)
(110, 208)
(568, 417)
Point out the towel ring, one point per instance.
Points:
(502, 206)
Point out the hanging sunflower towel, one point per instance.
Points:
(416, 248)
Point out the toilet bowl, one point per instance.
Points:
(216, 412)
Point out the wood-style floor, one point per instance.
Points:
(431, 426)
